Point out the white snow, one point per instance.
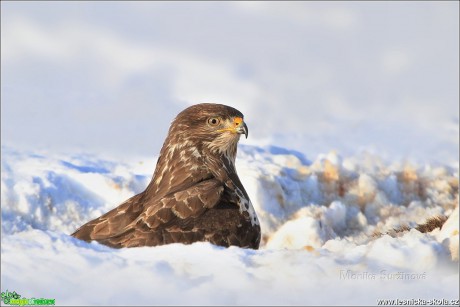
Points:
(318, 219)
(352, 109)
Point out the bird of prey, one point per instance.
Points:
(195, 193)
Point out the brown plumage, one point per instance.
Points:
(195, 193)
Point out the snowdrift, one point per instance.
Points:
(324, 224)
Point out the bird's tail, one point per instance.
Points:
(112, 223)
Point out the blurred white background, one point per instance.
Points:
(109, 77)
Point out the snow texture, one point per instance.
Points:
(319, 220)
(352, 109)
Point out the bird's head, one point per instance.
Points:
(234, 125)
(214, 127)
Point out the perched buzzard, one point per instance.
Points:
(195, 193)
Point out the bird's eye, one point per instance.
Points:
(214, 121)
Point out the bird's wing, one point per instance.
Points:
(112, 222)
(146, 228)
(181, 205)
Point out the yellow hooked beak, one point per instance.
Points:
(238, 126)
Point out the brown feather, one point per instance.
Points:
(194, 195)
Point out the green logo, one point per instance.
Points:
(12, 298)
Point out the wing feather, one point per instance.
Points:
(156, 220)
(112, 222)
(183, 204)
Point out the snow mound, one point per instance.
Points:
(351, 197)
(319, 218)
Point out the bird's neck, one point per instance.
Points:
(224, 147)
(182, 165)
